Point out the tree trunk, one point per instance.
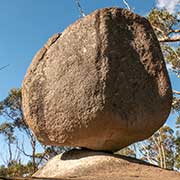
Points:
(33, 144)
(10, 152)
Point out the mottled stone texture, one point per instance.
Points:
(102, 84)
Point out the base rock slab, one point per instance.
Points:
(91, 165)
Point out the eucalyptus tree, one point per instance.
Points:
(163, 148)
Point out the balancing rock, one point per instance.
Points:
(101, 84)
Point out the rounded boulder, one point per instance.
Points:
(101, 84)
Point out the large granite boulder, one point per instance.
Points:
(89, 165)
(101, 84)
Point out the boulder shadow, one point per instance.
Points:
(76, 154)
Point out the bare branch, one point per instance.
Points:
(8, 115)
(176, 92)
(80, 8)
(4, 67)
(173, 39)
(174, 31)
(127, 5)
(166, 38)
(17, 153)
(160, 30)
(147, 154)
(23, 151)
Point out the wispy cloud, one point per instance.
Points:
(170, 5)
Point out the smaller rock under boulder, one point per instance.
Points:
(91, 165)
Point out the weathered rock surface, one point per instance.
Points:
(88, 165)
(101, 84)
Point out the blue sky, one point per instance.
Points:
(25, 25)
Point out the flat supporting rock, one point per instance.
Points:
(92, 165)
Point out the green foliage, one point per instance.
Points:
(176, 104)
(177, 157)
(177, 143)
(172, 56)
(163, 22)
(166, 27)
(7, 129)
(11, 109)
(17, 169)
(178, 122)
(128, 151)
(163, 148)
(160, 148)
(14, 122)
